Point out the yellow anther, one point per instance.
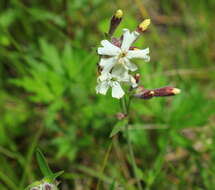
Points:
(118, 14)
(176, 91)
(144, 25)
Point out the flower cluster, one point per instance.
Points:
(115, 58)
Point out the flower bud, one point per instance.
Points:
(115, 21)
(118, 14)
(137, 77)
(143, 25)
(166, 91)
(159, 92)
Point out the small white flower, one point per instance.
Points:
(114, 80)
(121, 56)
(39, 187)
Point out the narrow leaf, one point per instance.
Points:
(118, 127)
(51, 178)
(46, 171)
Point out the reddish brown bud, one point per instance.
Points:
(166, 91)
(115, 21)
(159, 92)
(137, 77)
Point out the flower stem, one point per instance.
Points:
(126, 109)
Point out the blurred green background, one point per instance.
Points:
(47, 95)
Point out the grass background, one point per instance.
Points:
(47, 95)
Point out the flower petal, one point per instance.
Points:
(119, 71)
(102, 87)
(129, 65)
(128, 39)
(142, 54)
(107, 64)
(117, 91)
(105, 77)
(108, 49)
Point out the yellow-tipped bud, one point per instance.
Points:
(144, 25)
(152, 92)
(176, 91)
(118, 14)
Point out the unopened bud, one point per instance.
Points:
(137, 77)
(166, 91)
(176, 91)
(143, 25)
(115, 21)
(159, 92)
(118, 14)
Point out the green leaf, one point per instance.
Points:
(118, 127)
(46, 171)
(51, 178)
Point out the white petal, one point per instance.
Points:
(117, 91)
(129, 65)
(119, 71)
(105, 77)
(107, 64)
(108, 49)
(142, 54)
(102, 87)
(128, 39)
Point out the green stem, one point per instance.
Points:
(130, 147)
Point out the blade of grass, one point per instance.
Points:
(104, 163)
(8, 181)
(27, 170)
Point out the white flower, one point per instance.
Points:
(121, 56)
(48, 186)
(39, 187)
(114, 80)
